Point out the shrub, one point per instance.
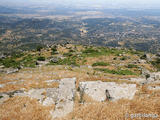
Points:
(147, 76)
(118, 72)
(29, 61)
(156, 63)
(115, 58)
(84, 61)
(90, 50)
(17, 55)
(9, 62)
(143, 57)
(41, 58)
(123, 58)
(71, 50)
(67, 54)
(100, 64)
(54, 50)
(39, 47)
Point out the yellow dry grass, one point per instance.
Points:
(62, 50)
(46, 53)
(145, 101)
(26, 79)
(116, 110)
(37, 77)
(28, 86)
(24, 108)
(148, 67)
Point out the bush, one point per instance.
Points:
(66, 61)
(90, 50)
(39, 47)
(9, 62)
(100, 64)
(29, 61)
(17, 55)
(143, 57)
(156, 63)
(147, 76)
(67, 54)
(71, 50)
(118, 72)
(54, 50)
(41, 58)
(123, 58)
(115, 58)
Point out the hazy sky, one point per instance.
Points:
(90, 3)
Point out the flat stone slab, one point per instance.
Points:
(100, 91)
(64, 97)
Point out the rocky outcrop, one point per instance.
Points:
(54, 59)
(2, 56)
(154, 77)
(101, 91)
(40, 63)
(62, 97)
(11, 70)
(147, 77)
(8, 70)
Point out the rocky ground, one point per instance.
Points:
(79, 83)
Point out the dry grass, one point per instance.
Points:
(62, 50)
(28, 78)
(46, 53)
(28, 86)
(35, 78)
(115, 111)
(148, 67)
(24, 108)
(99, 111)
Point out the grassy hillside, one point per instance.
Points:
(86, 63)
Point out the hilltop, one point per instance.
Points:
(66, 78)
